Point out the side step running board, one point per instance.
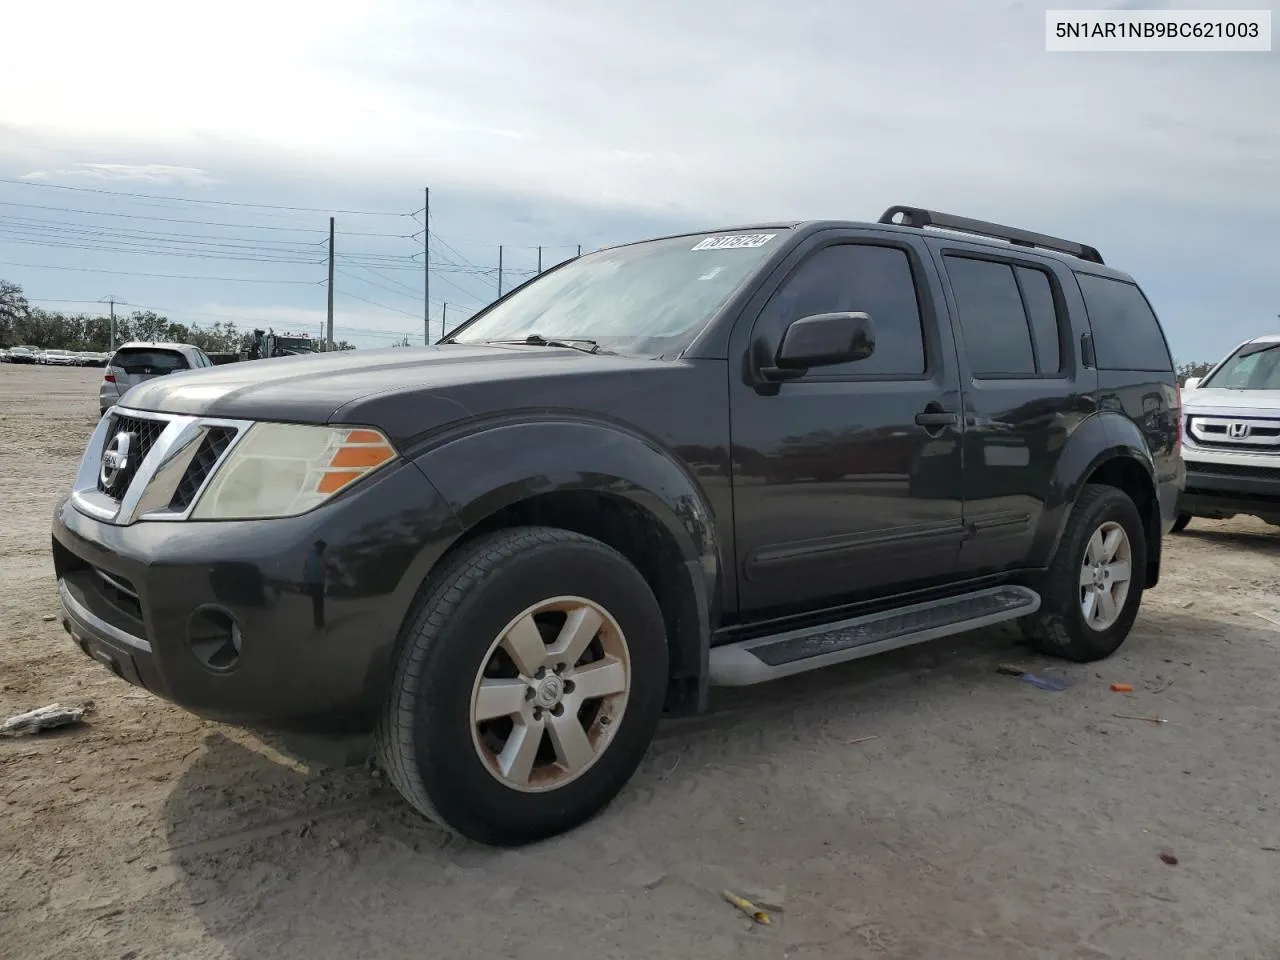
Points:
(796, 651)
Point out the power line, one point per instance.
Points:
(203, 223)
(218, 203)
(375, 303)
(155, 252)
(169, 276)
(54, 226)
(403, 292)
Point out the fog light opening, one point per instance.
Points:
(215, 638)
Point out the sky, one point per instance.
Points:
(567, 122)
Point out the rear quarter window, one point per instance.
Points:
(149, 361)
(1126, 333)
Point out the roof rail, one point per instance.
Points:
(919, 217)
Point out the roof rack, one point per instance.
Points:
(919, 217)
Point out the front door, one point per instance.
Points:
(847, 481)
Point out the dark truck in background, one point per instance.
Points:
(718, 458)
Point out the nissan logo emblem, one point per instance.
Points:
(115, 459)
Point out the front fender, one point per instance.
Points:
(1101, 438)
(500, 463)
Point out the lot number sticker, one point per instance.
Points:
(734, 242)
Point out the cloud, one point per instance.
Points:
(151, 173)
(571, 120)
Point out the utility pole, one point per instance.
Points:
(426, 266)
(499, 273)
(444, 313)
(539, 259)
(329, 326)
(112, 300)
(579, 249)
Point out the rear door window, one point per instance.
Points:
(1126, 333)
(997, 338)
(1008, 317)
(147, 362)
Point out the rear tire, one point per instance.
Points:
(1103, 549)
(1180, 523)
(529, 681)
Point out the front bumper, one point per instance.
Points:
(220, 617)
(1222, 487)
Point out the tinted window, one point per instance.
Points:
(856, 278)
(1037, 294)
(1126, 334)
(138, 360)
(997, 339)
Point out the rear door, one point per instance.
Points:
(1025, 390)
(134, 365)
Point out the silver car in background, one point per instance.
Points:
(137, 361)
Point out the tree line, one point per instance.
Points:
(22, 324)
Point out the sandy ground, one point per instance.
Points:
(988, 819)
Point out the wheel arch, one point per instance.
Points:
(1107, 449)
(605, 482)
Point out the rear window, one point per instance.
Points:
(144, 361)
(1126, 333)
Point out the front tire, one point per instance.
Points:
(1091, 594)
(529, 682)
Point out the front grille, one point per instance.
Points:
(211, 449)
(145, 433)
(1263, 435)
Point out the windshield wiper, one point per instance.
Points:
(538, 340)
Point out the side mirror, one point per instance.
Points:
(822, 340)
(1192, 383)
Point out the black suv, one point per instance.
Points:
(708, 459)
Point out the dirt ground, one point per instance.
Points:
(987, 819)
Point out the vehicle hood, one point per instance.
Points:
(1221, 400)
(439, 384)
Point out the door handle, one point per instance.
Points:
(932, 418)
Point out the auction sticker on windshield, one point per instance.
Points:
(735, 241)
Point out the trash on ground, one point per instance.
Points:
(747, 907)
(1125, 716)
(874, 736)
(1122, 688)
(48, 618)
(1271, 618)
(1009, 669)
(1169, 858)
(43, 718)
(1056, 684)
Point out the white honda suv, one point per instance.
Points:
(1231, 436)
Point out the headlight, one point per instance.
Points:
(282, 470)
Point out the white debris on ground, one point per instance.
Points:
(43, 718)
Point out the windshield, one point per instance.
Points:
(647, 299)
(1255, 366)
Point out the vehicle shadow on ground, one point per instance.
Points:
(283, 860)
